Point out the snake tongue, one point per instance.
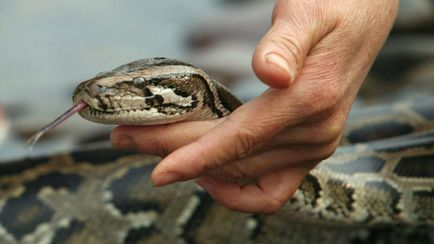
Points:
(76, 108)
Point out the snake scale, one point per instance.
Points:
(377, 188)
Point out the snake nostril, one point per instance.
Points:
(100, 89)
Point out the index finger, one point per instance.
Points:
(160, 139)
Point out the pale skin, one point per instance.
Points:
(322, 53)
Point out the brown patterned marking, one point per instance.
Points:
(209, 98)
(370, 164)
(416, 167)
(343, 205)
(65, 234)
(311, 189)
(22, 215)
(379, 131)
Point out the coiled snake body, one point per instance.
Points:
(377, 188)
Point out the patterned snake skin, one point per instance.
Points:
(377, 188)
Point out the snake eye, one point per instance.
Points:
(137, 81)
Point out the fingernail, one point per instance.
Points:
(279, 61)
(204, 183)
(123, 141)
(167, 178)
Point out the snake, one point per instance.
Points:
(378, 187)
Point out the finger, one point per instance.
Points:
(306, 135)
(268, 161)
(267, 196)
(280, 55)
(314, 131)
(161, 139)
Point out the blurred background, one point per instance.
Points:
(48, 47)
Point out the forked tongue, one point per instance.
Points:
(76, 108)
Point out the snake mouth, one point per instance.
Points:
(148, 116)
(154, 114)
(161, 106)
(114, 99)
(154, 100)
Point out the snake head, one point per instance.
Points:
(149, 91)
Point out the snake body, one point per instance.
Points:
(377, 188)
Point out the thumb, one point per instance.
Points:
(280, 55)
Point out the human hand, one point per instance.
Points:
(322, 53)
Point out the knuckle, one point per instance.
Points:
(233, 203)
(321, 98)
(300, 154)
(234, 206)
(244, 147)
(327, 150)
(323, 133)
(228, 173)
(161, 144)
(270, 206)
(240, 170)
(329, 98)
(273, 207)
(289, 46)
(331, 130)
(211, 160)
(161, 147)
(245, 139)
